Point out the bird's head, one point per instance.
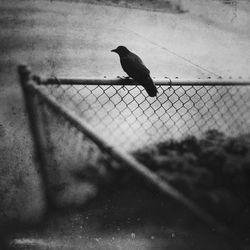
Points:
(120, 50)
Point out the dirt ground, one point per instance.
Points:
(75, 39)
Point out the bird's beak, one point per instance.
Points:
(113, 50)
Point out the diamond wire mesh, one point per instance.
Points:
(76, 167)
(128, 118)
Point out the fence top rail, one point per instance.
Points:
(157, 81)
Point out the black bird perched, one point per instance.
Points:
(135, 68)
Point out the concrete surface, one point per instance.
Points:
(75, 39)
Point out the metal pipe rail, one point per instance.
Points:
(130, 82)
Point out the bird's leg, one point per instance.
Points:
(170, 83)
(123, 79)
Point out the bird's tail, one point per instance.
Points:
(150, 87)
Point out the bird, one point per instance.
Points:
(135, 68)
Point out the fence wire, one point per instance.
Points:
(128, 118)
(76, 161)
(75, 166)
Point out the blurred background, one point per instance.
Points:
(186, 39)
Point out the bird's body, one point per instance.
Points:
(135, 68)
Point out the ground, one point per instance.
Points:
(74, 40)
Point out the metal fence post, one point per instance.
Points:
(39, 143)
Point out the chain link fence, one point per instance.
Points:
(76, 166)
(80, 126)
(129, 119)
